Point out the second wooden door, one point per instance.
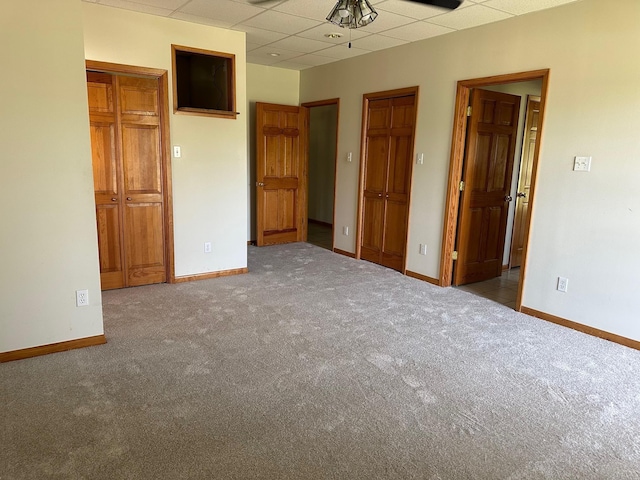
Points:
(280, 177)
(125, 123)
(487, 171)
(390, 126)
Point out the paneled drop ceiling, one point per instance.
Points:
(294, 34)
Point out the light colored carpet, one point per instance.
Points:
(317, 366)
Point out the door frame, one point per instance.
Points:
(307, 106)
(366, 98)
(163, 84)
(458, 139)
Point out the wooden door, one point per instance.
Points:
(524, 181)
(280, 180)
(487, 171)
(387, 180)
(128, 179)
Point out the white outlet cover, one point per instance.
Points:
(82, 298)
(582, 164)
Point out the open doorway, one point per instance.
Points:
(322, 152)
(484, 246)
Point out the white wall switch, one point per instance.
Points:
(563, 284)
(177, 151)
(420, 159)
(207, 247)
(345, 231)
(423, 249)
(349, 157)
(582, 164)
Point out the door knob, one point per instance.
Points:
(508, 198)
(114, 199)
(387, 195)
(129, 198)
(380, 195)
(259, 184)
(521, 195)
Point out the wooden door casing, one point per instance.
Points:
(524, 180)
(127, 156)
(280, 134)
(388, 153)
(487, 172)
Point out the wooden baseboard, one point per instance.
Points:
(345, 253)
(207, 276)
(505, 267)
(424, 278)
(251, 242)
(320, 222)
(612, 337)
(52, 348)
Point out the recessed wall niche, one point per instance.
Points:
(203, 82)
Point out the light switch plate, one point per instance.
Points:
(582, 164)
(177, 151)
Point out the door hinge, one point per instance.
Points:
(454, 255)
(462, 186)
(469, 109)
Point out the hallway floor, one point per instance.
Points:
(502, 289)
(320, 234)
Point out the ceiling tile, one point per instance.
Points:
(417, 31)
(377, 42)
(163, 12)
(387, 20)
(300, 44)
(313, 60)
(166, 4)
(524, 6)
(342, 51)
(280, 22)
(410, 9)
(319, 32)
(221, 10)
(267, 51)
(469, 17)
(261, 36)
(313, 9)
(196, 19)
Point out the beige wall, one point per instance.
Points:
(48, 245)
(268, 85)
(209, 180)
(585, 225)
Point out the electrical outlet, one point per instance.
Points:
(82, 298)
(207, 247)
(423, 249)
(345, 231)
(563, 284)
(420, 159)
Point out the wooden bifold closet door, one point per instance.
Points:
(387, 180)
(124, 114)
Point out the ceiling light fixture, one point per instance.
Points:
(333, 35)
(352, 13)
(274, 54)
